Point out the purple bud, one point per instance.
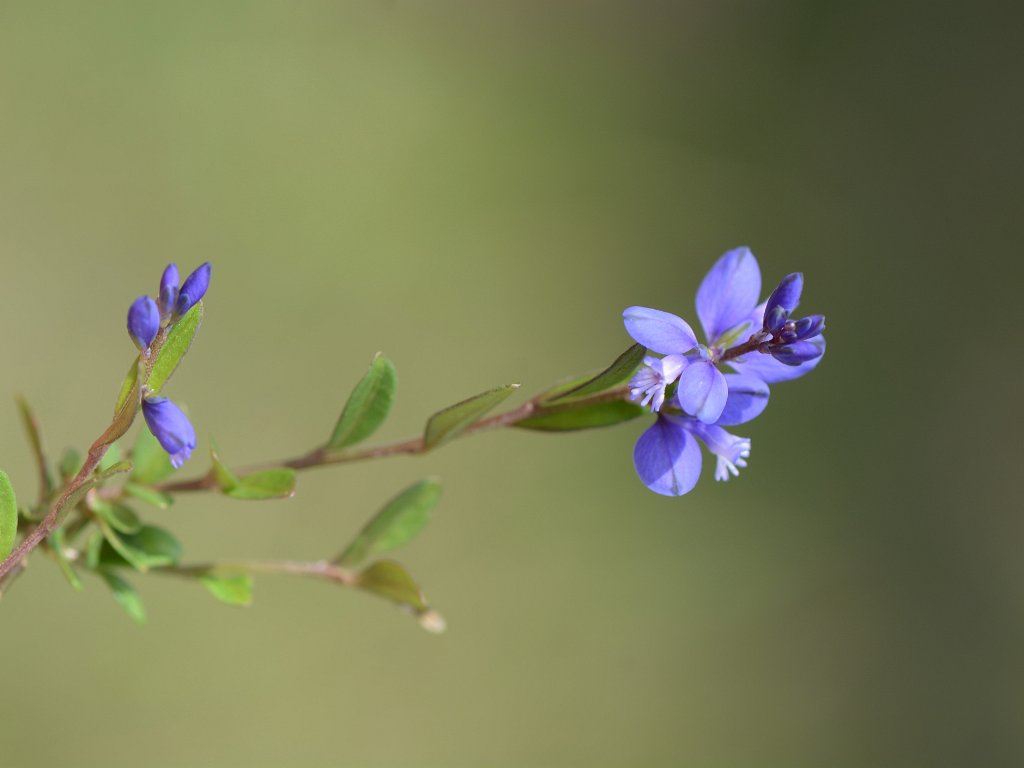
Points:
(797, 353)
(170, 427)
(809, 327)
(169, 288)
(193, 289)
(783, 301)
(143, 321)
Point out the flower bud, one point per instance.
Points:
(171, 427)
(783, 301)
(809, 327)
(169, 288)
(797, 353)
(143, 322)
(193, 289)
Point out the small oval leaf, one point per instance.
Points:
(621, 370)
(231, 589)
(568, 417)
(448, 423)
(175, 347)
(125, 595)
(390, 580)
(276, 483)
(399, 521)
(8, 516)
(367, 406)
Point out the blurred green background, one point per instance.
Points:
(479, 189)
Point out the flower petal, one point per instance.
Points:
(143, 321)
(725, 297)
(783, 301)
(748, 396)
(667, 459)
(660, 332)
(703, 391)
(771, 371)
(797, 353)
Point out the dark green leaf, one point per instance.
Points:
(388, 579)
(152, 496)
(149, 547)
(125, 595)
(57, 544)
(621, 370)
(150, 460)
(367, 406)
(560, 418)
(232, 589)
(398, 522)
(8, 516)
(175, 347)
(446, 424)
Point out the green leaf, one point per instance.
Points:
(150, 547)
(57, 544)
(562, 418)
(128, 385)
(367, 406)
(390, 580)
(70, 463)
(111, 458)
(151, 496)
(274, 483)
(8, 516)
(233, 590)
(94, 548)
(35, 438)
(125, 595)
(621, 370)
(175, 347)
(446, 424)
(152, 464)
(398, 522)
(118, 516)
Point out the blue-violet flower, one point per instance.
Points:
(171, 427)
(143, 322)
(193, 289)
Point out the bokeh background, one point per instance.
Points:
(479, 189)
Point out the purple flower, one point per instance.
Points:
(169, 289)
(694, 398)
(143, 322)
(170, 427)
(193, 289)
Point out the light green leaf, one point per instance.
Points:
(175, 347)
(152, 496)
(111, 457)
(70, 463)
(390, 580)
(125, 595)
(231, 589)
(367, 406)
(620, 371)
(446, 424)
(128, 385)
(118, 516)
(57, 544)
(276, 483)
(8, 516)
(561, 418)
(398, 522)
(152, 464)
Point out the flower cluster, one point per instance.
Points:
(147, 318)
(761, 343)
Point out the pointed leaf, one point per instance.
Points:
(390, 580)
(128, 385)
(398, 522)
(118, 516)
(620, 371)
(446, 424)
(150, 547)
(125, 595)
(57, 544)
(111, 457)
(561, 418)
(226, 479)
(150, 460)
(35, 439)
(8, 516)
(175, 347)
(231, 589)
(367, 406)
